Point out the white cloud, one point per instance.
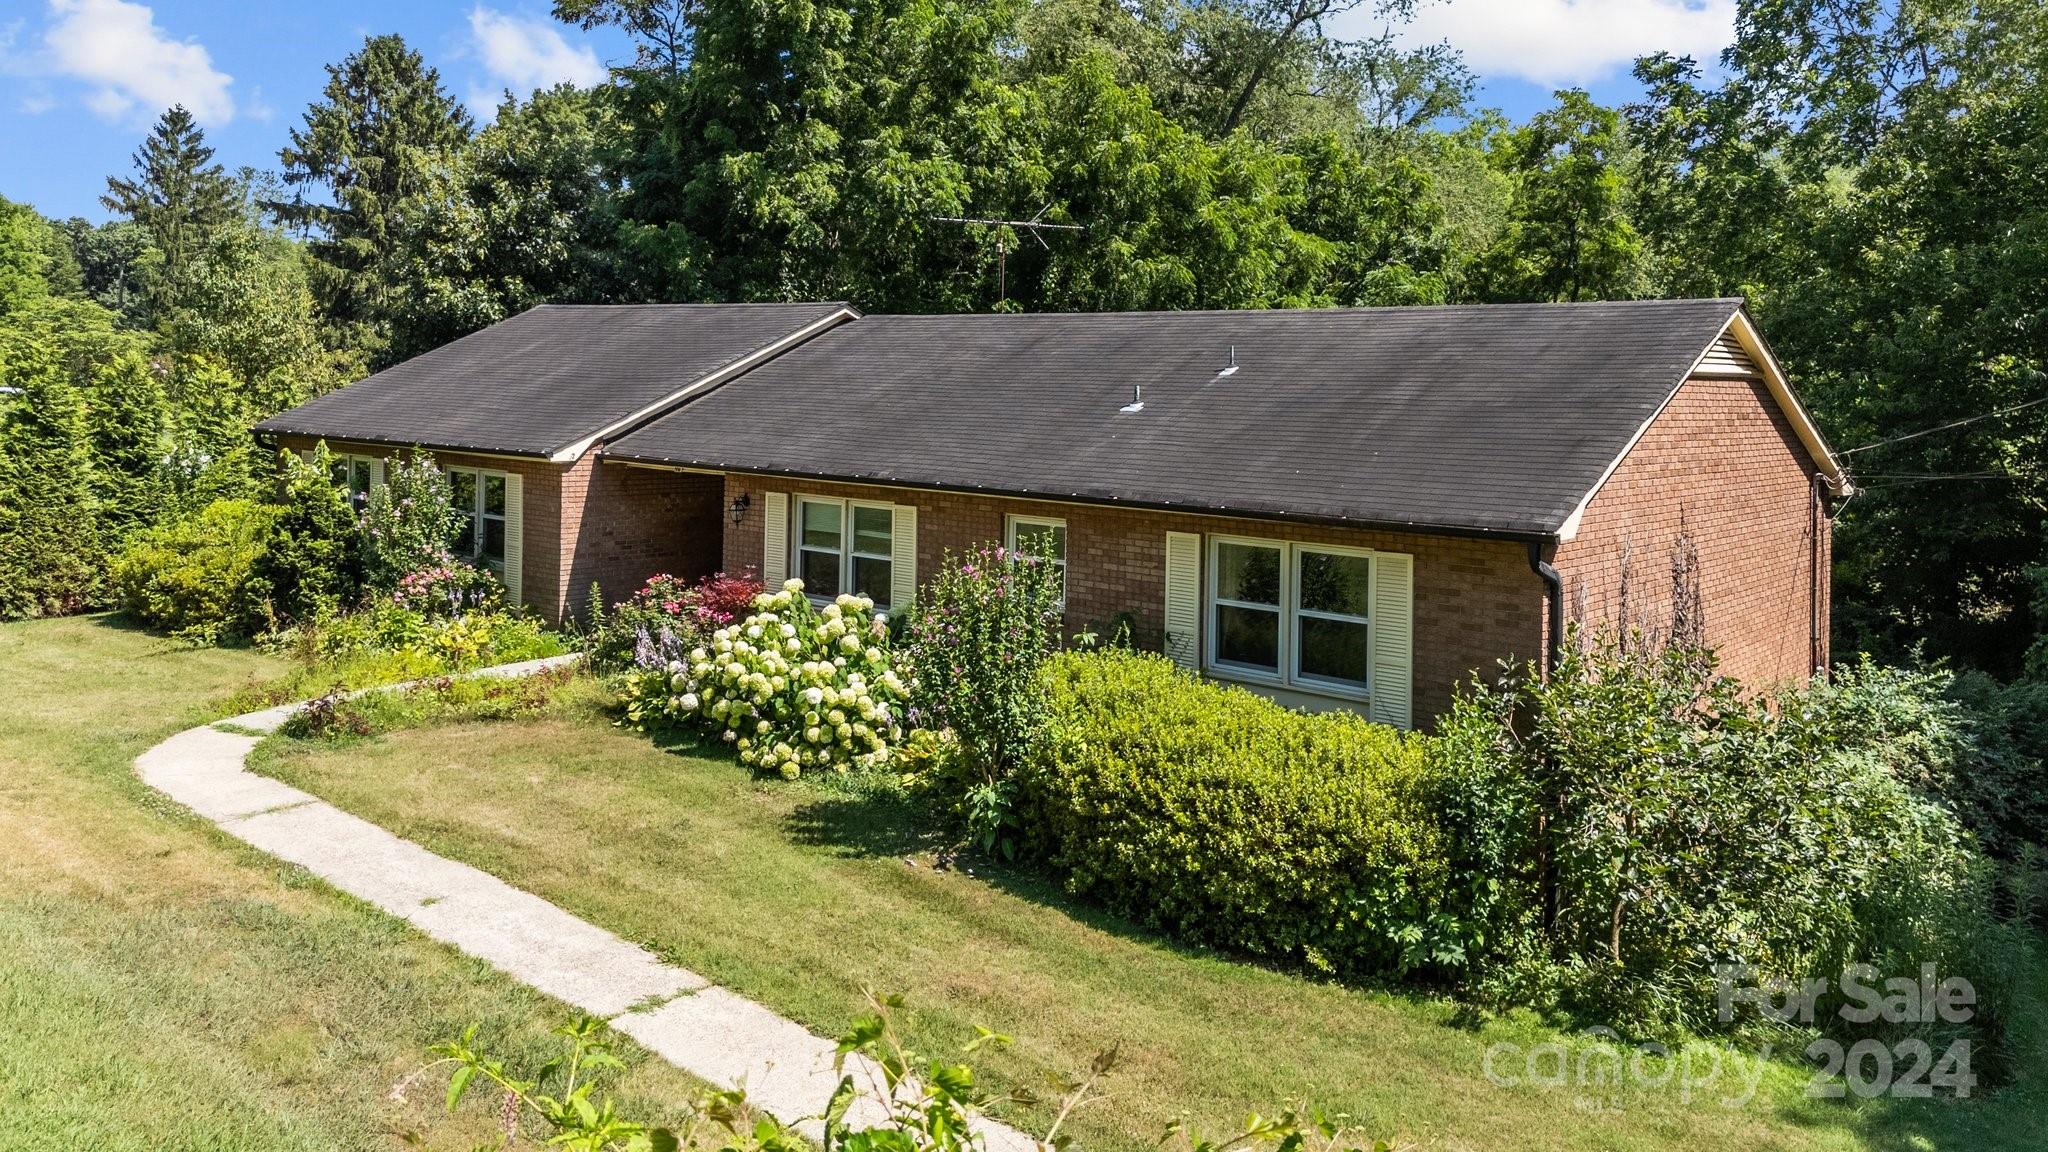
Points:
(133, 66)
(1560, 42)
(524, 54)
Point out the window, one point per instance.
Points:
(1293, 614)
(1037, 535)
(479, 499)
(845, 546)
(354, 474)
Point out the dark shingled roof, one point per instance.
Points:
(548, 378)
(1477, 418)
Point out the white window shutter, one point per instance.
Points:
(515, 536)
(306, 454)
(376, 473)
(902, 557)
(774, 539)
(1184, 599)
(1393, 650)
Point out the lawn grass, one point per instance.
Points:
(800, 896)
(163, 986)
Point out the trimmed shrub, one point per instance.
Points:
(194, 576)
(1225, 819)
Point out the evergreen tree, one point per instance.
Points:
(179, 196)
(375, 140)
(23, 258)
(51, 555)
(125, 415)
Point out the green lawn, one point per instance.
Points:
(162, 986)
(799, 896)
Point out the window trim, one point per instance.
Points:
(477, 510)
(1012, 521)
(1289, 611)
(846, 552)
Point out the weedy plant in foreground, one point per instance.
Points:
(928, 1104)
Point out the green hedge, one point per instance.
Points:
(1224, 819)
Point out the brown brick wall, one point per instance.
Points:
(626, 524)
(1476, 601)
(1722, 465)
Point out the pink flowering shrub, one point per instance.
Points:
(447, 587)
(667, 618)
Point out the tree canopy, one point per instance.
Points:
(1871, 177)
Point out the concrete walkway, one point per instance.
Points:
(713, 1034)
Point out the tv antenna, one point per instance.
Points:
(1035, 226)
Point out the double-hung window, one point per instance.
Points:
(479, 499)
(845, 546)
(354, 474)
(1291, 614)
(1042, 536)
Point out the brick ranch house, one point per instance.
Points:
(1336, 507)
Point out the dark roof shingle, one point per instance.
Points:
(1483, 418)
(547, 378)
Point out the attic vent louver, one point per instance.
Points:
(1137, 403)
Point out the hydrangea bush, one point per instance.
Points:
(793, 687)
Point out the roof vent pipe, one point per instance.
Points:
(1233, 362)
(1137, 403)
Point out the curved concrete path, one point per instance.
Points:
(713, 1034)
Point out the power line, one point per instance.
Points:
(1951, 424)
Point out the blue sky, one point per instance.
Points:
(80, 80)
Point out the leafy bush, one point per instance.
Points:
(408, 523)
(1999, 784)
(436, 643)
(665, 619)
(791, 687)
(977, 636)
(195, 576)
(313, 562)
(1665, 824)
(1226, 819)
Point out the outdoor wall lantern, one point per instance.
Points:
(739, 507)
